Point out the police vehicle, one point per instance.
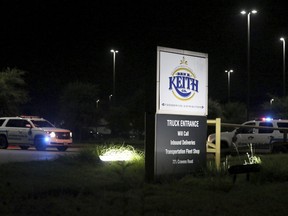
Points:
(32, 131)
(264, 135)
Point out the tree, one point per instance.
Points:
(214, 109)
(277, 107)
(118, 119)
(78, 104)
(136, 106)
(12, 91)
(234, 112)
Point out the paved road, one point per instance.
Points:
(15, 154)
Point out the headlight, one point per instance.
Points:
(52, 135)
(71, 134)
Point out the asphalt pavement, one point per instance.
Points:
(15, 154)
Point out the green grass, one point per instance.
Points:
(83, 185)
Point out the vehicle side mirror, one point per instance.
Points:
(28, 126)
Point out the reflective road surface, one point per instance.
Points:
(15, 154)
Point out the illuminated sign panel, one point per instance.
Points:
(181, 112)
(182, 82)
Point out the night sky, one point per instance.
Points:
(58, 42)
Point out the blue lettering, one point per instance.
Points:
(179, 82)
(171, 82)
(194, 84)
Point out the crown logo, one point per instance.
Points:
(183, 61)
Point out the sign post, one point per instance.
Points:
(181, 112)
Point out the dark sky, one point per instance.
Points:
(61, 41)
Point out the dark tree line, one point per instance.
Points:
(80, 107)
(13, 93)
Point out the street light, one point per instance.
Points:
(97, 102)
(284, 77)
(228, 73)
(248, 57)
(114, 75)
(271, 101)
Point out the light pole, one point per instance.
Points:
(284, 75)
(271, 107)
(114, 74)
(248, 58)
(97, 103)
(228, 73)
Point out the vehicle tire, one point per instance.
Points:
(39, 144)
(3, 142)
(62, 148)
(23, 147)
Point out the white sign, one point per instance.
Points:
(182, 82)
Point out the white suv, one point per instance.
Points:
(28, 131)
(263, 140)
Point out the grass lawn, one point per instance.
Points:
(82, 185)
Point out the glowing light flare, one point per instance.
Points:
(267, 119)
(245, 12)
(52, 134)
(114, 51)
(117, 155)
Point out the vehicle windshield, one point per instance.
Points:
(42, 123)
